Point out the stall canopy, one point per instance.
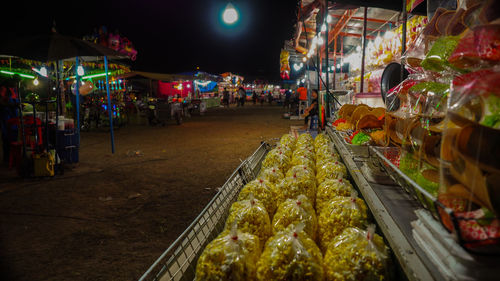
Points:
(156, 76)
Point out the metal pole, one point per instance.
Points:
(327, 88)
(403, 43)
(110, 109)
(335, 63)
(77, 93)
(361, 88)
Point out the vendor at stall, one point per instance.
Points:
(312, 110)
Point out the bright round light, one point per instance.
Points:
(358, 48)
(323, 28)
(80, 70)
(328, 19)
(338, 65)
(35, 82)
(320, 41)
(304, 59)
(230, 14)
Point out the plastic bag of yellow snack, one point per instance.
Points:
(232, 256)
(288, 140)
(330, 170)
(276, 158)
(250, 216)
(321, 140)
(273, 174)
(292, 256)
(338, 214)
(293, 186)
(305, 139)
(356, 254)
(287, 150)
(304, 151)
(303, 160)
(330, 189)
(264, 191)
(295, 211)
(301, 171)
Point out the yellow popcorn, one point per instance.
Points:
(291, 187)
(250, 216)
(232, 256)
(321, 140)
(288, 140)
(303, 160)
(306, 152)
(293, 212)
(290, 255)
(330, 170)
(276, 158)
(356, 254)
(264, 191)
(337, 215)
(287, 150)
(305, 139)
(330, 189)
(301, 171)
(323, 151)
(328, 158)
(272, 174)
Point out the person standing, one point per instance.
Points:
(270, 97)
(225, 97)
(242, 96)
(254, 97)
(312, 110)
(286, 104)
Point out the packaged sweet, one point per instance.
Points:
(293, 212)
(294, 186)
(330, 170)
(288, 140)
(304, 161)
(339, 214)
(250, 216)
(287, 150)
(290, 255)
(437, 57)
(272, 174)
(305, 139)
(471, 160)
(357, 254)
(276, 158)
(307, 152)
(321, 140)
(302, 172)
(264, 191)
(330, 189)
(232, 256)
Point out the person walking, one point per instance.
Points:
(270, 98)
(254, 97)
(286, 104)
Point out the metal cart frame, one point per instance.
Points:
(178, 262)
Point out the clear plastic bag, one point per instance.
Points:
(330, 170)
(470, 165)
(264, 191)
(357, 254)
(272, 174)
(302, 172)
(330, 189)
(320, 141)
(293, 186)
(304, 161)
(305, 152)
(291, 255)
(232, 256)
(338, 214)
(276, 158)
(288, 140)
(250, 216)
(287, 150)
(293, 212)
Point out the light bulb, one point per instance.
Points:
(230, 14)
(338, 65)
(323, 28)
(304, 59)
(358, 48)
(36, 82)
(80, 70)
(43, 71)
(328, 19)
(320, 41)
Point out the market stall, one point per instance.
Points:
(419, 160)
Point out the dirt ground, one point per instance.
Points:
(112, 216)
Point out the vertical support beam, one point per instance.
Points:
(403, 43)
(327, 99)
(110, 108)
(363, 47)
(335, 62)
(341, 54)
(77, 93)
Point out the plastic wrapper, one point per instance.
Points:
(470, 165)
(330, 170)
(302, 172)
(320, 141)
(276, 158)
(250, 216)
(290, 255)
(307, 152)
(264, 191)
(232, 256)
(304, 161)
(305, 139)
(357, 254)
(437, 58)
(293, 212)
(337, 215)
(273, 174)
(287, 150)
(294, 186)
(361, 139)
(288, 140)
(330, 189)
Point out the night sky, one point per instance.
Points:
(172, 36)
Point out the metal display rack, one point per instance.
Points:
(178, 262)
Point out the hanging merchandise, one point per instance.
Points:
(284, 65)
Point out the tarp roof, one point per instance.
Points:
(156, 76)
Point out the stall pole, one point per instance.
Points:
(77, 93)
(334, 62)
(361, 88)
(327, 88)
(403, 43)
(110, 109)
(341, 54)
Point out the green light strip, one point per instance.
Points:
(20, 74)
(95, 75)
